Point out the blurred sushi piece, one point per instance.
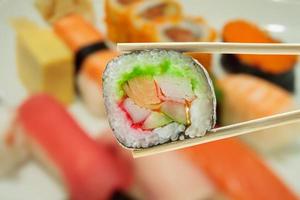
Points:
(89, 81)
(247, 97)
(77, 32)
(187, 29)
(92, 55)
(44, 61)
(52, 10)
(146, 14)
(238, 171)
(117, 20)
(87, 169)
(13, 150)
(154, 97)
(172, 176)
(278, 69)
(183, 29)
(132, 17)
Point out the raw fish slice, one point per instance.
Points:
(76, 31)
(87, 169)
(238, 171)
(171, 176)
(123, 159)
(247, 97)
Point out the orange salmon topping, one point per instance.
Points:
(245, 32)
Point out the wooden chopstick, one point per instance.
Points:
(217, 47)
(224, 132)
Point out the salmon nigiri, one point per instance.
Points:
(246, 97)
(278, 69)
(238, 171)
(92, 56)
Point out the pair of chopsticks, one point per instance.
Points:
(224, 48)
(217, 47)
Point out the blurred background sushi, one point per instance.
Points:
(55, 141)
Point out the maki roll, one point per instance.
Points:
(157, 96)
(53, 10)
(175, 29)
(278, 69)
(146, 14)
(117, 20)
(187, 29)
(132, 18)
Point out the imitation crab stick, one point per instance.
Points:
(88, 169)
(238, 171)
(275, 68)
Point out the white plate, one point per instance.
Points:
(281, 17)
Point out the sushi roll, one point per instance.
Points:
(186, 29)
(247, 97)
(52, 10)
(132, 18)
(278, 69)
(86, 168)
(153, 97)
(117, 20)
(91, 55)
(145, 13)
(238, 171)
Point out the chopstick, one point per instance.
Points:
(224, 132)
(217, 47)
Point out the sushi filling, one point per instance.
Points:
(179, 34)
(155, 99)
(188, 30)
(158, 10)
(126, 2)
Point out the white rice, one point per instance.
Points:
(202, 109)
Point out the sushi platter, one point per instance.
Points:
(88, 86)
